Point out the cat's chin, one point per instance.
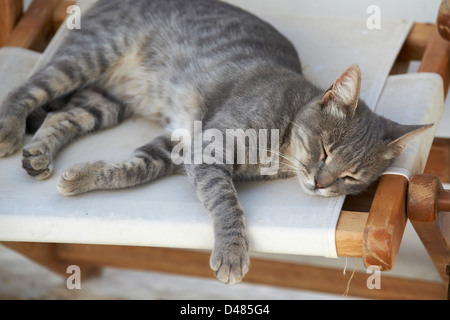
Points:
(311, 190)
(320, 193)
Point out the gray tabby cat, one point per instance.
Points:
(178, 61)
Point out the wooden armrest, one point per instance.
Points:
(427, 201)
(373, 229)
(386, 223)
(443, 20)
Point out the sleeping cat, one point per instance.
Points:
(176, 62)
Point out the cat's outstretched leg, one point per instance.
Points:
(147, 163)
(89, 110)
(215, 189)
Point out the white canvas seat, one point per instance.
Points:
(166, 213)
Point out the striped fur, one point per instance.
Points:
(179, 61)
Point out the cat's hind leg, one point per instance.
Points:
(146, 164)
(83, 58)
(88, 111)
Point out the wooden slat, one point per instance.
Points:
(34, 29)
(416, 42)
(10, 11)
(386, 223)
(274, 273)
(45, 254)
(349, 233)
(436, 58)
(196, 263)
(60, 13)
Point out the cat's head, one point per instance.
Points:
(340, 145)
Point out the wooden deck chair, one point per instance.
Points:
(370, 225)
(428, 203)
(428, 210)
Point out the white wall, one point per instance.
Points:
(415, 10)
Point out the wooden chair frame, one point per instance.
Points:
(370, 227)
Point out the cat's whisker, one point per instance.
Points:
(288, 171)
(288, 167)
(284, 156)
(300, 163)
(292, 164)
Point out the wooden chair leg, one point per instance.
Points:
(429, 212)
(10, 11)
(436, 58)
(34, 30)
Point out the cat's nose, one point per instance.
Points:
(318, 185)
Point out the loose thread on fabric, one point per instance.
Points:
(345, 294)
(345, 266)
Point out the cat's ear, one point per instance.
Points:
(400, 136)
(344, 93)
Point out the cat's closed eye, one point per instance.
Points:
(350, 179)
(324, 155)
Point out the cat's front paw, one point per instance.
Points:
(231, 262)
(37, 161)
(11, 135)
